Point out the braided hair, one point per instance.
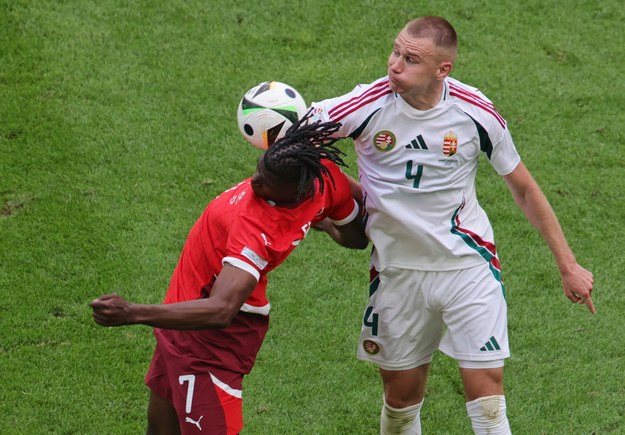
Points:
(296, 157)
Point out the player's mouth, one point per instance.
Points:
(393, 82)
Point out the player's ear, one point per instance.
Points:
(444, 69)
(258, 186)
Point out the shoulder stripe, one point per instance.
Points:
(343, 109)
(477, 101)
(472, 95)
(352, 109)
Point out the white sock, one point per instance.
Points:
(488, 415)
(404, 421)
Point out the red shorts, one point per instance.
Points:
(201, 394)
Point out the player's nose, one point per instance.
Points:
(395, 64)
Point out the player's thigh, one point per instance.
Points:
(400, 331)
(201, 401)
(206, 404)
(162, 417)
(475, 314)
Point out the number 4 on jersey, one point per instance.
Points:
(415, 177)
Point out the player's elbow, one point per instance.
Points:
(223, 318)
(352, 236)
(359, 243)
(218, 316)
(221, 324)
(355, 239)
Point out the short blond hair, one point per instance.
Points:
(437, 29)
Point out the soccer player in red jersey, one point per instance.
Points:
(215, 314)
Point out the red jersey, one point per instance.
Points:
(247, 232)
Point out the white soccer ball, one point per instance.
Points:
(267, 111)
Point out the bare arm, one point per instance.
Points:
(231, 289)
(351, 235)
(356, 188)
(577, 282)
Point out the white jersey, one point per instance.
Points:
(417, 169)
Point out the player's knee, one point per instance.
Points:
(488, 415)
(401, 421)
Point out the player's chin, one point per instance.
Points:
(394, 85)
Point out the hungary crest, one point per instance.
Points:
(371, 347)
(450, 143)
(384, 140)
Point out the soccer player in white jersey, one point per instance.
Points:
(435, 278)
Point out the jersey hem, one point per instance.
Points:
(240, 264)
(451, 265)
(394, 366)
(490, 356)
(349, 218)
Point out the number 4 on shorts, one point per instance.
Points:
(371, 320)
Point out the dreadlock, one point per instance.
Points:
(296, 157)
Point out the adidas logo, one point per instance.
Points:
(417, 144)
(490, 345)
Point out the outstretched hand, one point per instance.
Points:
(111, 310)
(577, 284)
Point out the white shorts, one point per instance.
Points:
(413, 313)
